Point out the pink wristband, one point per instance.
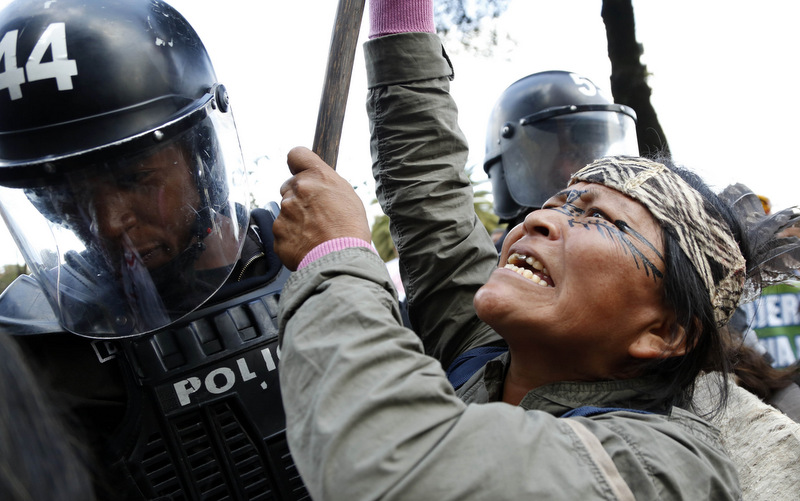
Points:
(387, 17)
(331, 246)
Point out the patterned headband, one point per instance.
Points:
(705, 239)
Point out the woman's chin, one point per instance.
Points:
(490, 304)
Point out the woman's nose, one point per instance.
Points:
(544, 222)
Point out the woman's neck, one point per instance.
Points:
(523, 375)
(532, 368)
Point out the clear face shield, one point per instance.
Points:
(130, 245)
(548, 149)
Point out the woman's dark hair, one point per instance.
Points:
(686, 294)
(755, 374)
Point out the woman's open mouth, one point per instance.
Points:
(529, 268)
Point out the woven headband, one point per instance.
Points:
(705, 239)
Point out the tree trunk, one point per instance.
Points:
(629, 76)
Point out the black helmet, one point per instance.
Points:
(110, 109)
(543, 128)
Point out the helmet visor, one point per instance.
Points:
(128, 246)
(548, 151)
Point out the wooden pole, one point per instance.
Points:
(337, 80)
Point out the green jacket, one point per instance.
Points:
(371, 416)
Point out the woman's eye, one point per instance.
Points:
(596, 213)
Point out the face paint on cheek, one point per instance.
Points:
(617, 233)
(624, 230)
(623, 226)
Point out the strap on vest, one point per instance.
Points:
(590, 410)
(469, 362)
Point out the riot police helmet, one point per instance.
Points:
(543, 128)
(121, 175)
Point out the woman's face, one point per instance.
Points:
(578, 282)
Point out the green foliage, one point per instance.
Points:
(465, 21)
(484, 209)
(381, 238)
(465, 16)
(9, 273)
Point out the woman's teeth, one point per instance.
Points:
(539, 278)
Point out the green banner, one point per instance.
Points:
(775, 317)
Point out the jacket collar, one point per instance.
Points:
(557, 398)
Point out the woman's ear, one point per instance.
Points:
(660, 341)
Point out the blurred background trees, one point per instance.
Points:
(382, 240)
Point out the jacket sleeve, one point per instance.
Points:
(418, 158)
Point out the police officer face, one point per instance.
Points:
(148, 206)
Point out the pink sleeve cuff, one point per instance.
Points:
(332, 246)
(387, 17)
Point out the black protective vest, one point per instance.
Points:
(206, 419)
(199, 412)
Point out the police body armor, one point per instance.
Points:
(210, 423)
(203, 416)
